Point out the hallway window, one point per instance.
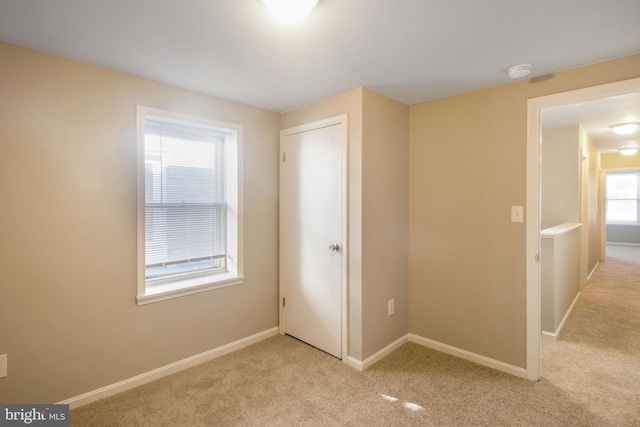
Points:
(622, 197)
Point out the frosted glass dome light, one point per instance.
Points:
(628, 151)
(625, 128)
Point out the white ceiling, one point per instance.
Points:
(410, 50)
(596, 116)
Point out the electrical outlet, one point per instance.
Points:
(3, 365)
(391, 307)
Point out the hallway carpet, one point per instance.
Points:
(596, 358)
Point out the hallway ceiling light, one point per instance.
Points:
(628, 151)
(625, 128)
(290, 11)
(518, 71)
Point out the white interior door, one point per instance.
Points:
(312, 241)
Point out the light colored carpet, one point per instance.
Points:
(596, 359)
(591, 377)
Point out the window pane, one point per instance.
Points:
(177, 233)
(622, 210)
(185, 199)
(622, 186)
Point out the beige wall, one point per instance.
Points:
(467, 168)
(378, 203)
(560, 176)
(591, 207)
(385, 203)
(570, 187)
(68, 318)
(560, 267)
(616, 161)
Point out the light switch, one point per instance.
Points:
(517, 213)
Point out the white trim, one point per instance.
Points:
(369, 361)
(554, 335)
(593, 271)
(189, 290)
(343, 120)
(533, 228)
(467, 355)
(623, 244)
(345, 238)
(534, 106)
(355, 363)
(169, 369)
(627, 169)
(443, 348)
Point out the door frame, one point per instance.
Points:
(340, 120)
(533, 190)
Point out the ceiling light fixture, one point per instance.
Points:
(518, 71)
(625, 128)
(628, 151)
(290, 11)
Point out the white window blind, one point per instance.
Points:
(185, 200)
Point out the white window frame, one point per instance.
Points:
(158, 290)
(637, 199)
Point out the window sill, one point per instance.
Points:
(187, 287)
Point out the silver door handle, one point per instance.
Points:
(335, 247)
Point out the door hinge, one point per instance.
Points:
(537, 257)
(284, 157)
(284, 302)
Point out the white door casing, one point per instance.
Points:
(313, 234)
(535, 105)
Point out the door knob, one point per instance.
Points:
(335, 247)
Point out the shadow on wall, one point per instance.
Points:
(542, 79)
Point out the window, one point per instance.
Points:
(189, 215)
(622, 197)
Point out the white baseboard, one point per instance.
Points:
(362, 365)
(189, 362)
(467, 355)
(554, 335)
(444, 348)
(169, 369)
(592, 271)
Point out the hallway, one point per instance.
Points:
(596, 359)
